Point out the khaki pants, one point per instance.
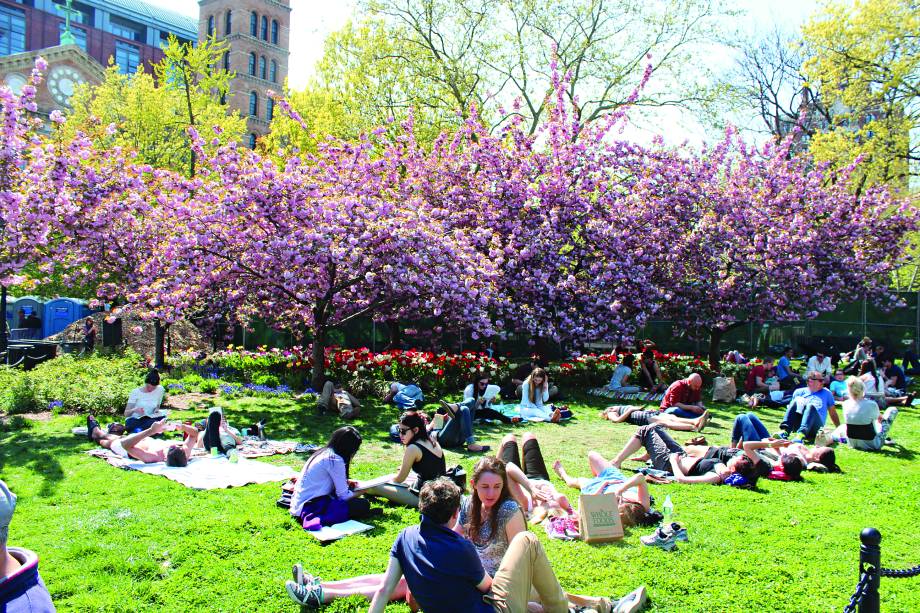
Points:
(523, 567)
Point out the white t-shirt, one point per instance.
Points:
(489, 394)
(860, 413)
(823, 367)
(148, 402)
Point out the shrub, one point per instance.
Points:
(209, 386)
(266, 379)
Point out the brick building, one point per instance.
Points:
(259, 35)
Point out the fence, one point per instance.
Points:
(866, 597)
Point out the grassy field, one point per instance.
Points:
(112, 540)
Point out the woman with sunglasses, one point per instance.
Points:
(422, 456)
(477, 397)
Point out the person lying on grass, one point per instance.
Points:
(640, 416)
(489, 514)
(322, 495)
(699, 464)
(634, 499)
(140, 446)
(530, 487)
(423, 456)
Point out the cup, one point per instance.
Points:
(214, 452)
(244, 433)
(233, 456)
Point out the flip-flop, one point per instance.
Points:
(482, 449)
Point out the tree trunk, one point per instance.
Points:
(159, 333)
(3, 327)
(715, 356)
(318, 376)
(395, 332)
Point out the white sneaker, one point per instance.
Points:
(632, 602)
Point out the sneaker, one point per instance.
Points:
(91, 424)
(781, 434)
(632, 602)
(310, 596)
(659, 538)
(678, 531)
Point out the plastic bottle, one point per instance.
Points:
(667, 510)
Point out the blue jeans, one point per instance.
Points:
(679, 412)
(806, 423)
(748, 427)
(458, 430)
(137, 424)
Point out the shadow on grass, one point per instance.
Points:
(40, 453)
(898, 451)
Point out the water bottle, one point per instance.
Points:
(667, 509)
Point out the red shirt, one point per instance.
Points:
(680, 392)
(751, 381)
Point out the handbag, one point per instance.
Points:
(455, 474)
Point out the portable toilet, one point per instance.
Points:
(31, 304)
(61, 312)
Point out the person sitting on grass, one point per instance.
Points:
(699, 465)
(634, 500)
(336, 399)
(621, 374)
(895, 379)
(535, 398)
(650, 376)
(140, 446)
(820, 363)
(684, 398)
(500, 521)
(444, 573)
(423, 456)
(838, 386)
(143, 408)
(789, 379)
(866, 428)
(478, 396)
(322, 495)
(639, 416)
(756, 380)
(458, 430)
(21, 587)
(808, 410)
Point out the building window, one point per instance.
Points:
(228, 23)
(12, 31)
(78, 33)
(252, 64)
(264, 27)
(227, 60)
(127, 57)
(211, 25)
(273, 72)
(253, 24)
(252, 141)
(253, 104)
(269, 109)
(274, 31)
(131, 30)
(262, 67)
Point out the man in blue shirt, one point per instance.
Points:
(444, 573)
(788, 378)
(808, 409)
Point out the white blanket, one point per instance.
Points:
(206, 473)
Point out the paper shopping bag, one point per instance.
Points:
(599, 518)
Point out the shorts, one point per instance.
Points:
(642, 418)
(118, 450)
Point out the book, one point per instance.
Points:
(337, 531)
(366, 485)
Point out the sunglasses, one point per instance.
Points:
(821, 379)
(404, 430)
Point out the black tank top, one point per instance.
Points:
(429, 467)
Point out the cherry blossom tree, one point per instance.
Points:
(757, 235)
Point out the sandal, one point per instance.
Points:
(482, 448)
(697, 440)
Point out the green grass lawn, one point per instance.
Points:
(123, 541)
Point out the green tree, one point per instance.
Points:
(151, 113)
(442, 57)
(865, 58)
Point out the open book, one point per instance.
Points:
(366, 485)
(337, 531)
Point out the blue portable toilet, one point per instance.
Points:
(31, 304)
(61, 312)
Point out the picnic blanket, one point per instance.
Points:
(618, 395)
(206, 472)
(252, 447)
(513, 410)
